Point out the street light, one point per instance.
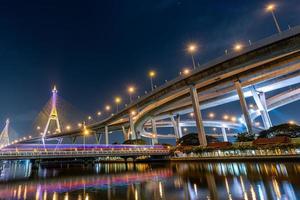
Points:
(107, 108)
(68, 127)
(225, 117)
(192, 48)
(238, 47)
(118, 100)
(99, 113)
(186, 71)
(130, 90)
(211, 115)
(152, 74)
(271, 8)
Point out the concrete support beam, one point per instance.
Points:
(97, 138)
(244, 106)
(132, 131)
(174, 123)
(260, 101)
(106, 135)
(178, 126)
(124, 133)
(198, 117)
(154, 131)
(224, 134)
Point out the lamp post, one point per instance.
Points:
(271, 8)
(152, 74)
(130, 90)
(192, 49)
(118, 100)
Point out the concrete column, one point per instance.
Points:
(106, 135)
(174, 123)
(133, 136)
(244, 106)
(178, 126)
(224, 134)
(260, 101)
(154, 131)
(124, 133)
(198, 117)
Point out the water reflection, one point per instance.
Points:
(145, 181)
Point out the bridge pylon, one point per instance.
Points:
(53, 115)
(4, 139)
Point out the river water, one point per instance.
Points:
(192, 180)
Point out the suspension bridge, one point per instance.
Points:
(264, 67)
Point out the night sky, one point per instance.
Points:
(92, 50)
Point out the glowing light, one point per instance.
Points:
(186, 71)
(107, 107)
(38, 128)
(270, 7)
(192, 114)
(68, 127)
(152, 73)
(214, 129)
(233, 119)
(292, 122)
(251, 106)
(192, 48)
(185, 129)
(79, 125)
(211, 115)
(225, 117)
(89, 118)
(118, 100)
(238, 47)
(257, 123)
(99, 113)
(133, 113)
(131, 89)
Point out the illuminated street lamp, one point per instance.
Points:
(89, 117)
(118, 100)
(192, 48)
(211, 115)
(238, 47)
(107, 108)
(186, 71)
(99, 113)
(192, 114)
(271, 8)
(151, 75)
(225, 117)
(68, 127)
(131, 91)
(233, 119)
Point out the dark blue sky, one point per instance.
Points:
(93, 49)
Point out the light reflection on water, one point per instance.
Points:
(152, 181)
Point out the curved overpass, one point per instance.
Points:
(269, 64)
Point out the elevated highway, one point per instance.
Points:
(267, 65)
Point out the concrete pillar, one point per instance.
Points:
(106, 135)
(133, 136)
(198, 117)
(260, 101)
(174, 123)
(244, 106)
(154, 131)
(124, 133)
(178, 126)
(224, 134)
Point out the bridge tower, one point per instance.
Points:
(4, 139)
(53, 114)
